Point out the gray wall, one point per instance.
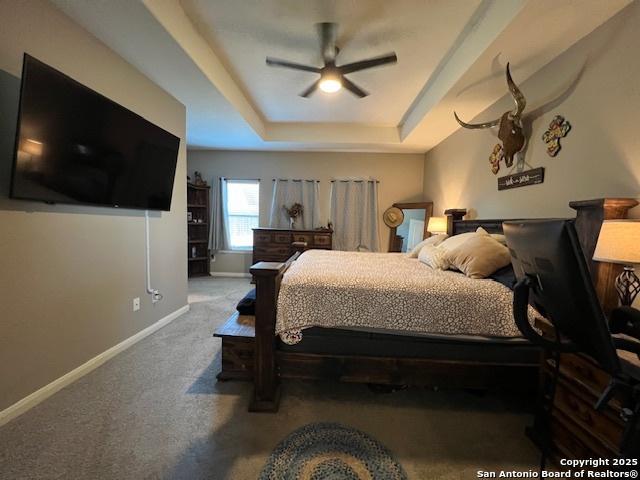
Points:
(600, 156)
(400, 178)
(68, 274)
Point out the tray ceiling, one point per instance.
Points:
(420, 32)
(210, 55)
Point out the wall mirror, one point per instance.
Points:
(408, 223)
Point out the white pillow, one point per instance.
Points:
(433, 240)
(435, 257)
(457, 240)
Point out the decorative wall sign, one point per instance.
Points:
(496, 156)
(558, 128)
(521, 179)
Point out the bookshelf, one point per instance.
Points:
(199, 213)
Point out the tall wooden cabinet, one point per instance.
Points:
(198, 218)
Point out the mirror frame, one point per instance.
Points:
(395, 242)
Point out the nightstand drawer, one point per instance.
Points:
(571, 441)
(603, 426)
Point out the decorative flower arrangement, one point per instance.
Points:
(293, 212)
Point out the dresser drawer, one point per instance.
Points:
(271, 250)
(303, 237)
(277, 237)
(322, 241)
(272, 253)
(261, 238)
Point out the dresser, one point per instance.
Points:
(278, 244)
(578, 431)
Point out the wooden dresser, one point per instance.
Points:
(277, 244)
(578, 431)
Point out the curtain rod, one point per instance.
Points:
(240, 179)
(294, 180)
(356, 181)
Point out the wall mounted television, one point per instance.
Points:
(75, 146)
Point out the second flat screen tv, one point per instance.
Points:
(76, 146)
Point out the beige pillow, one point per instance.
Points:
(435, 257)
(455, 241)
(433, 240)
(479, 256)
(498, 236)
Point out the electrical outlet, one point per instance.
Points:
(156, 296)
(136, 304)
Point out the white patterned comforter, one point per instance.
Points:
(388, 291)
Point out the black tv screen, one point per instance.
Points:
(76, 146)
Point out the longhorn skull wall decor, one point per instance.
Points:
(510, 131)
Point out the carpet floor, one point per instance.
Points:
(156, 411)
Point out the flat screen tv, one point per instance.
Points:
(76, 146)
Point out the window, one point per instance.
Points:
(242, 212)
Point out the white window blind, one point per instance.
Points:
(242, 212)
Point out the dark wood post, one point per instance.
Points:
(589, 217)
(266, 396)
(452, 215)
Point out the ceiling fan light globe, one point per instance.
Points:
(330, 85)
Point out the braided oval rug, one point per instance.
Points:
(323, 451)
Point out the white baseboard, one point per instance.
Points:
(30, 401)
(230, 274)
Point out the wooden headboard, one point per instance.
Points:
(456, 225)
(589, 217)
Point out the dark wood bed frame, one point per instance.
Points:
(269, 363)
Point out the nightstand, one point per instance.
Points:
(577, 430)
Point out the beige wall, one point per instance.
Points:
(68, 274)
(400, 177)
(600, 156)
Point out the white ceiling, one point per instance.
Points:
(210, 55)
(244, 33)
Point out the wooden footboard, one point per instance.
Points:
(268, 276)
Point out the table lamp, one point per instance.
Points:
(618, 242)
(437, 225)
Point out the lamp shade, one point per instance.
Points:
(437, 225)
(618, 242)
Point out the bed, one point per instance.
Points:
(390, 293)
(300, 328)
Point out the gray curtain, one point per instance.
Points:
(219, 231)
(286, 193)
(354, 213)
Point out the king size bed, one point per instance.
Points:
(387, 319)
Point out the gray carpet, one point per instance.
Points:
(156, 411)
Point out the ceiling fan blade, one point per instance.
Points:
(327, 33)
(370, 63)
(353, 88)
(274, 62)
(311, 89)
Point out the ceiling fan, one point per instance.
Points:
(332, 77)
